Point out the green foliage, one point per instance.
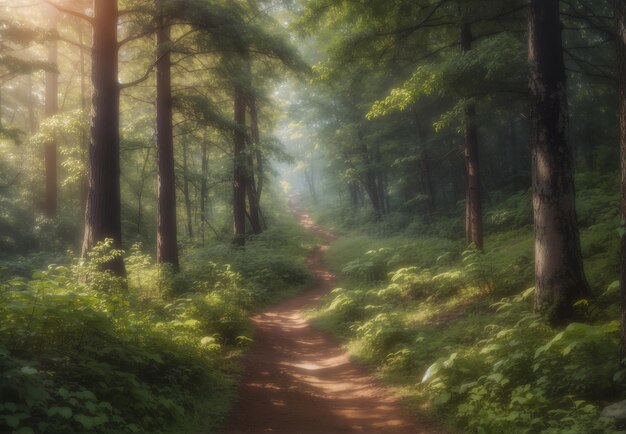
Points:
(454, 327)
(82, 350)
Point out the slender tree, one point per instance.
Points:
(51, 109)
(167, 247)
(239, 173)
(103, 213)
(473, 215)
(560, 279)
(620, 32)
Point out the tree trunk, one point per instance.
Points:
(51, 109)
(560, 279)
(620, 32)
(474, 217)
(427, 183)
(369, 179)
(204, 190)
(167, 244)
(84, 181)
(103, 213)
(186, 194)
(141, 190)
(256, 138)
(239, 170)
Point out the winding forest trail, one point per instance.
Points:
(299, 380)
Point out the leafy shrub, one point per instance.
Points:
(82, 350)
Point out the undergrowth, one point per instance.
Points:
(453, 327)
(84, 351)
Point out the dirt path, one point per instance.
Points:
(298, 380)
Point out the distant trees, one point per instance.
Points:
(417, 82)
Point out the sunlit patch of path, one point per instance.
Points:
(298, 380)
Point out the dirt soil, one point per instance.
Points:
(299, 380)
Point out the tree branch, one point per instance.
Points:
(70, 12)
(143, 77)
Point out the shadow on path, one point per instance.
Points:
(299, 380)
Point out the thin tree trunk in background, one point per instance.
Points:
(32, 116)
(239, 169)
(141, 189)
(83, 105)
(474, 220)
(256, 138)
(380, 184)
(560, 279)
(620, 32)
(310, 182)
(426, 172)
(186, 194)
(427, 183)
(204, 190)
(167, 240)
(103, 214)
(253, 202)
(51, 109)
(369, 180)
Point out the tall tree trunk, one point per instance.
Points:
(254, 213)
(32, 116)
(427, 183)
(474, 217)
(103, 214)
(310, 182)
(204, 190)
(167, 243)
(560, 279)
(256, 138)
(620, 32)
(369, 178)
(239, 169)
(141, 190)
(84, 135)
(381, 186)
(187, 194)
(51, 109)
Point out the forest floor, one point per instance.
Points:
(299, 380)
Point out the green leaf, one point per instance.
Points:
(66, 412)
(12, 421)
(84, 420)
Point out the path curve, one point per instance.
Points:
(299, 380)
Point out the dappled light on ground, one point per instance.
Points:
(298, 380)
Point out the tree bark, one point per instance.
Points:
(256, 138)
(369, 179)
(51, 109)
(239, 169)
(167, 243)
(204, 190)
(474, 217)
(103, 213)
(186, 193)
(620, 32)
(560, 278)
